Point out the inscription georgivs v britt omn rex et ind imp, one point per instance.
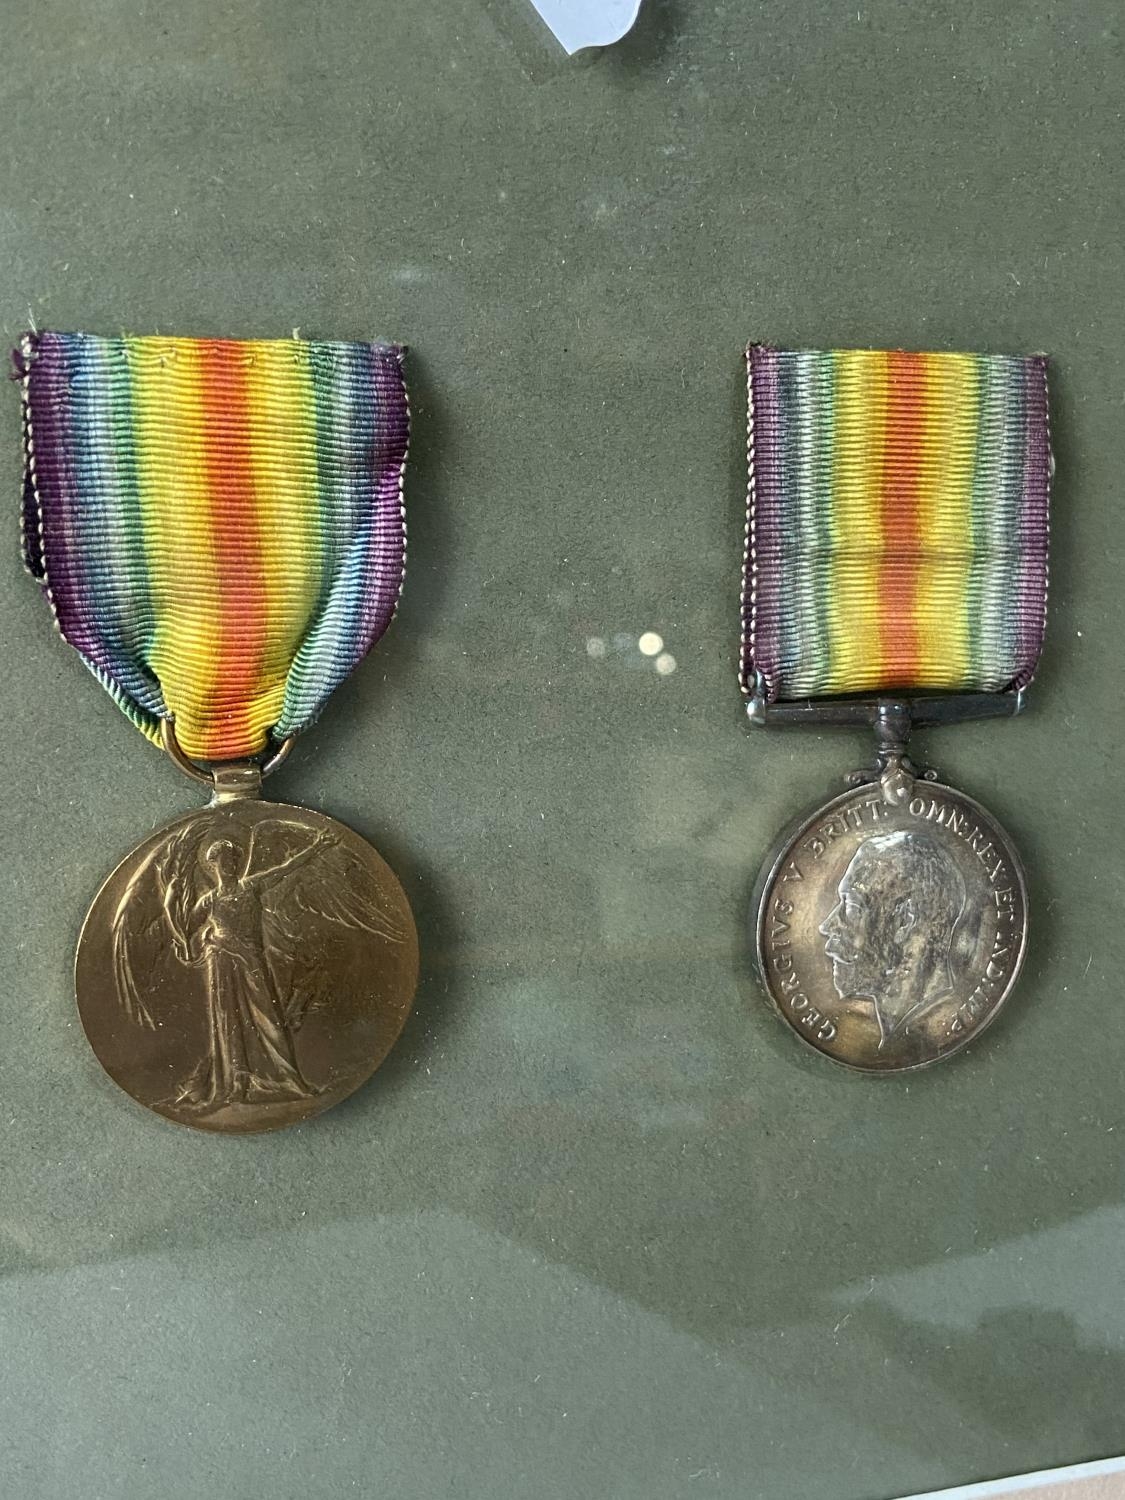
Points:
(889, 935)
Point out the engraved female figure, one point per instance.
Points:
(248, 911)
(251, 1058)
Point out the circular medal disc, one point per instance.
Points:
(246, 967)
(889, 933)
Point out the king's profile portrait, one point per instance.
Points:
(890, 934)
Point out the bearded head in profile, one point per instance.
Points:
(890, 934)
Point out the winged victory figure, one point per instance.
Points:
(231, 909)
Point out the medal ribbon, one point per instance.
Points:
(218, 525)
(897, 530)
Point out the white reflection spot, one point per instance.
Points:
(666, 664)
(595, 647)
(650, 644)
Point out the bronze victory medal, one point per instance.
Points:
(246, 967)
(892, 925)
(222, 566)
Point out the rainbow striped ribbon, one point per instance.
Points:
(897, 531)
(218, 525)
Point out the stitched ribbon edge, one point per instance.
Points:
(754, 673)
(149, 717)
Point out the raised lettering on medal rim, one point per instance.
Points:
(890, 932)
